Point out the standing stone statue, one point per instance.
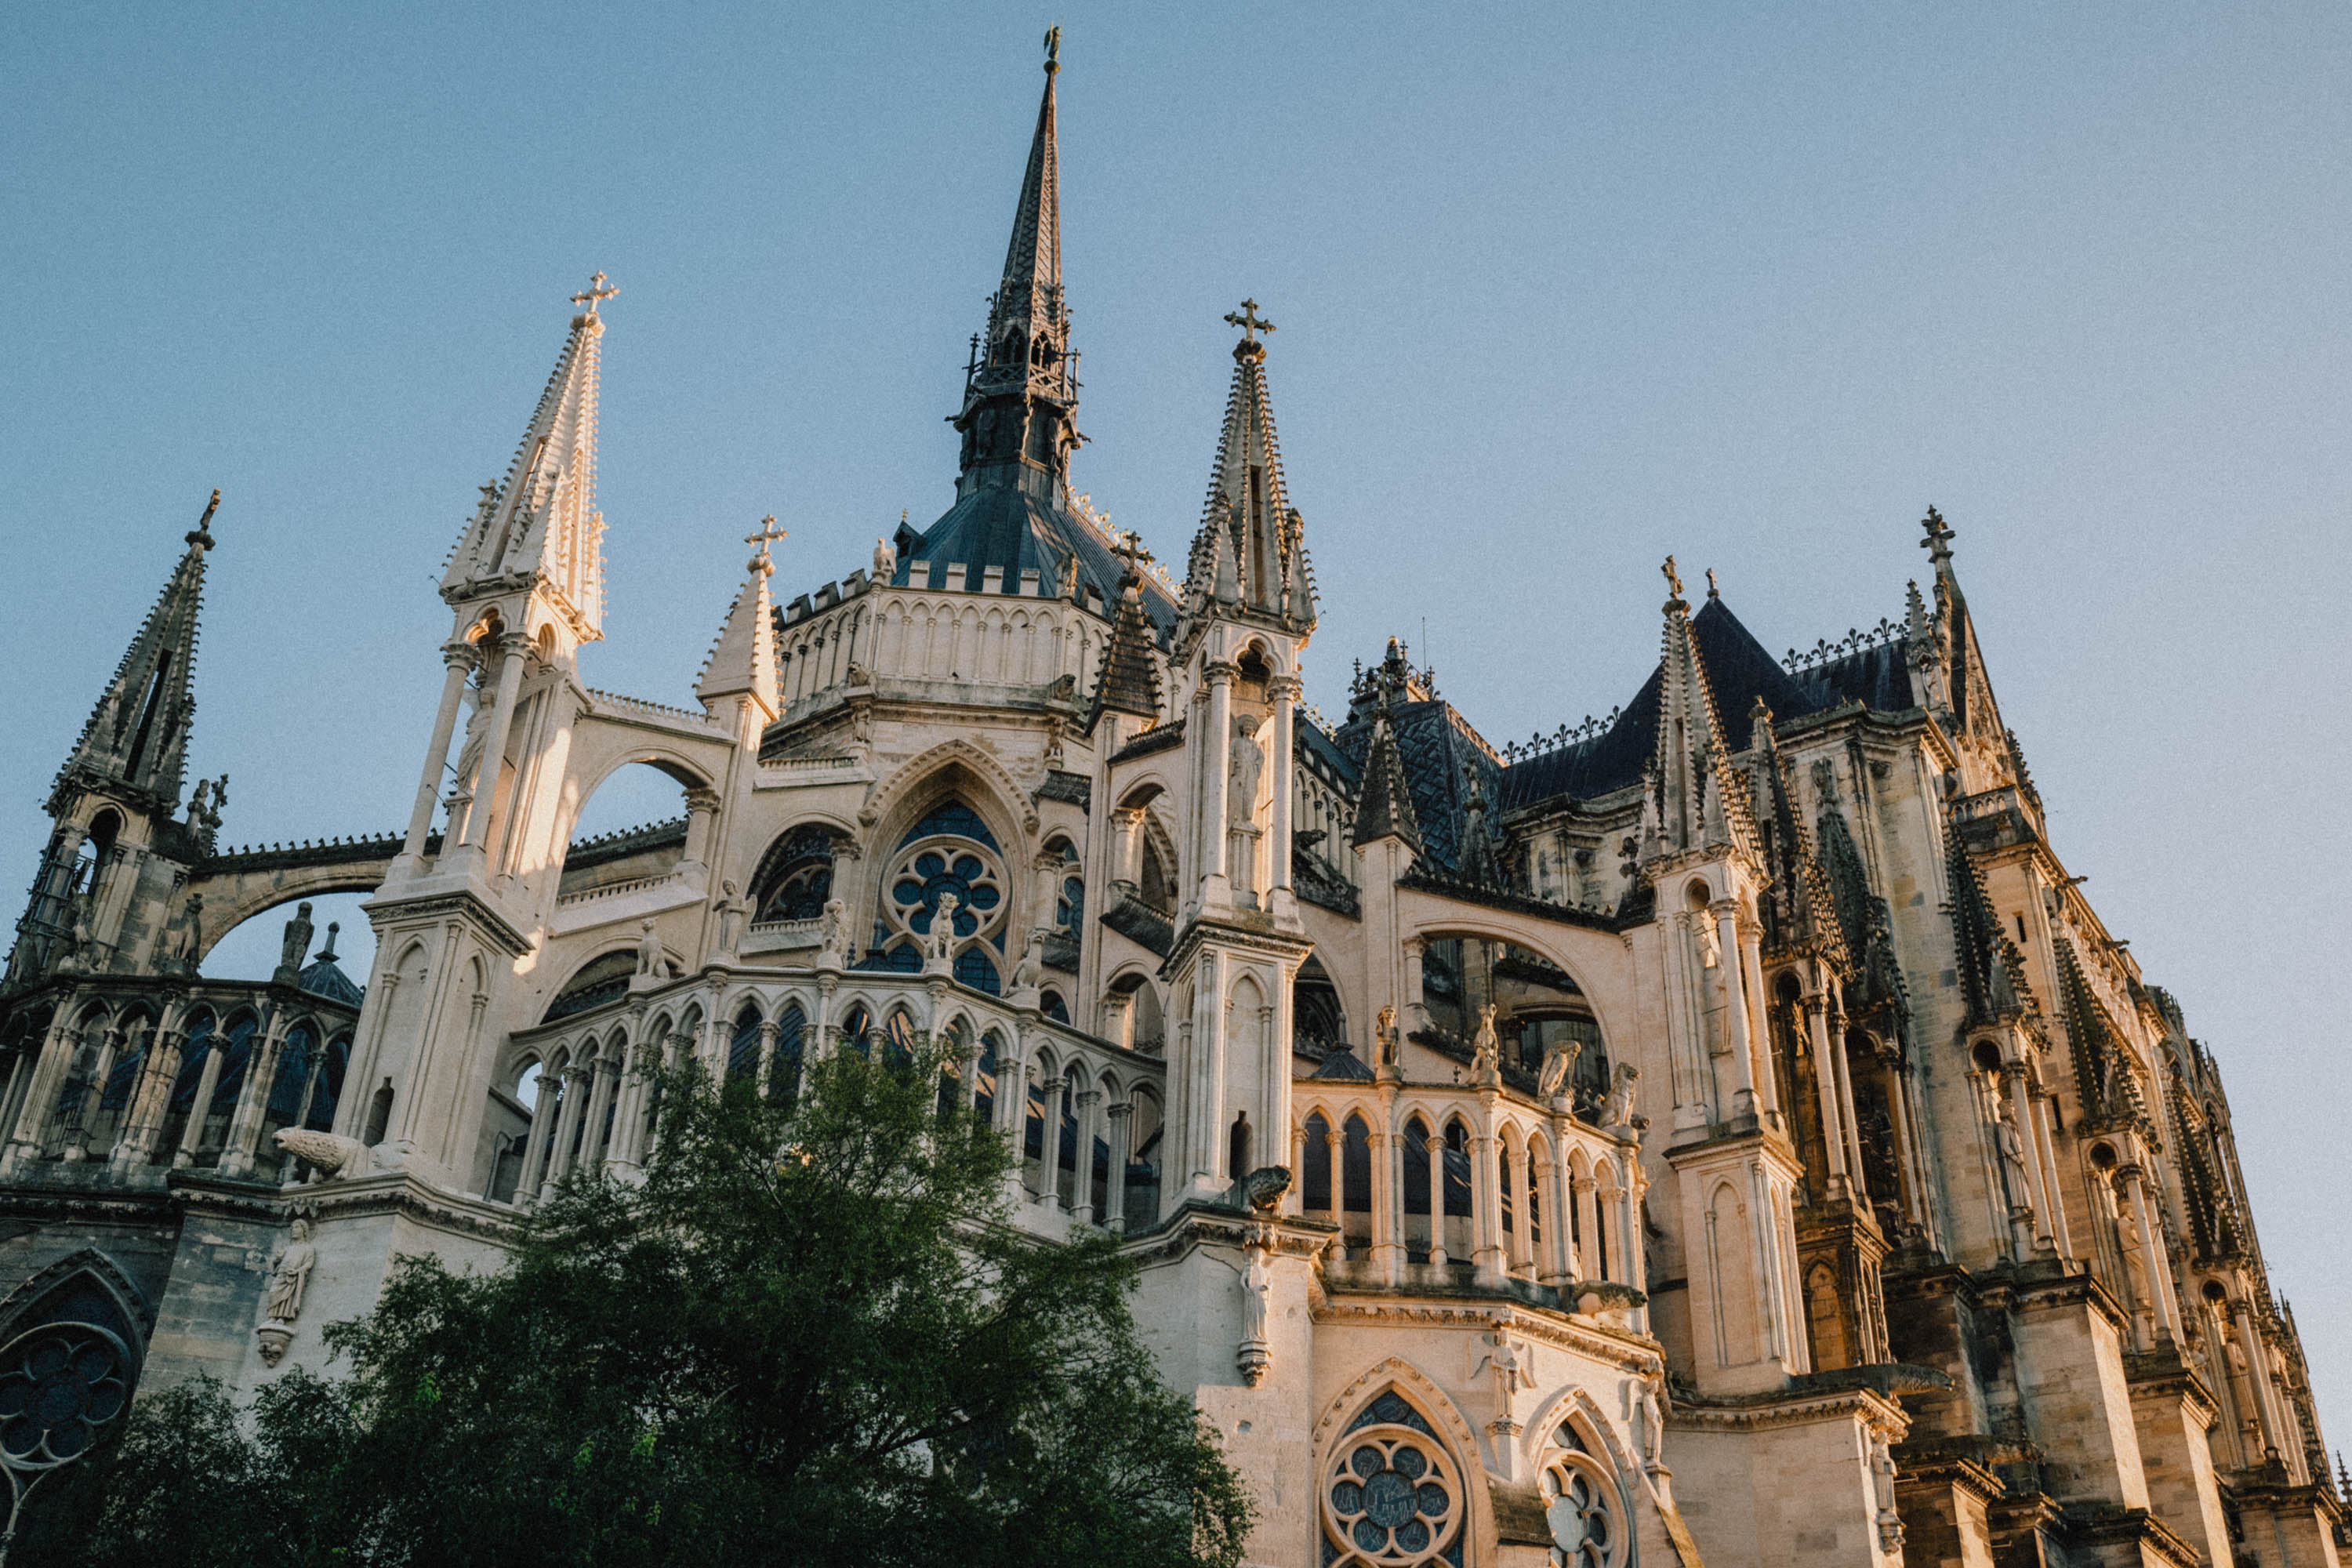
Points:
(1384, 1034)
(1249, 761)
(292, 1274)
(1484, 1048)
(1619, 1112)
(649, 949)
(1254, 1355)
(296, 947)
(1559, 1062)
(834, 931)
(730, 917)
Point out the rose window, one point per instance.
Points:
(59, 1384)
(1578, 1508)
(1391, 1498)
(933, 867)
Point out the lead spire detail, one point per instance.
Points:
(1250, 550)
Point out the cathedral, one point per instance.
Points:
(1721, 1132)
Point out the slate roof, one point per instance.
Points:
(1004, 525)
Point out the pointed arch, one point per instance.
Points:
(84, 1287)
(1393, 1403)
(942, 768)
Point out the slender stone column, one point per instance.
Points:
(1285, 691)
(459, 657)
(238, 1153)
(1485, 1208)
(110, 1043)
(1388, 1200)
(478, 809)
(2018, 1095)
(1858, 1179)
(1745, 1100)
(1594, 1263)
(48, 1077)
(192, 1137)
(1082, 1202)
(2060, 1233)
(701, 811)
(1826, 1076)
(1122, 1117)
(1049, 1180)
(1561, 1224)
(1437, 1195)
(1219, 755)
(2154, 1254)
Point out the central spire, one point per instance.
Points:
(1020, 389)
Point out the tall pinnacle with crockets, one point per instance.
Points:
(1021, 390)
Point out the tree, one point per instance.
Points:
(811, 1333)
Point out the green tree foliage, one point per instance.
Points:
(810, 1335)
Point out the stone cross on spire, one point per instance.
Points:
(768, 534)
(1938, 541)
(595, 294)
(1673, 583)
(1132, 552)
(1247, 319)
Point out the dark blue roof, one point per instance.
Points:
(1004, 525)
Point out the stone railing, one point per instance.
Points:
(615, 889)
(638, 705)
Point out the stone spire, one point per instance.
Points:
(1021, 391)
(539, 530)
(1384, 809)
(1129, 682)
(1799, 914)
(1701, 801)
(1250, 550)
(742, 662)
(137, 737)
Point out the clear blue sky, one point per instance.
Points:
(1560, 289)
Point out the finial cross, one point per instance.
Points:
(1131, 549)
(596, 291)
(1939, 542)
(1713, 592)
(1247, 319)
(1053, 46)
(768, 534)
(1673, 578)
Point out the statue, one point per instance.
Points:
(1652, 1436)
(1263, 1188)
(649, 949)
(1559, 1062)
(835, 931)
(885, 561)
(730, 915)
(1249, 760)
(297, 945)
(1384, 1035)
(2012, 1158)
(1510, 1369)
(1484, 1049)
(1618, 1112)
(287, 1281)
(1025, 968)
(1254, 1356)
(939, 946)
(191, 940)
(327, 1153)
(1710, 946)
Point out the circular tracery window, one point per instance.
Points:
(1392, 1498)
(930, 867)
(1579, 1509)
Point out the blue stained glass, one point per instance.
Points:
(1370, 1536)
(1348, 1497)
(1408, 1463)
(974, 969)
(950, 817)
(1365, 1462)
(1413, 1536)
(1391, 1410)
(1389, 1500)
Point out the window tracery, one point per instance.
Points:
(1392, 1496)
(1579, 1499)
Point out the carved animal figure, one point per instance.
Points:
(328, 1154)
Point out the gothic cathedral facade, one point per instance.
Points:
(1720, 1132)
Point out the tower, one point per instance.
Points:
(117, 853)
(526, 587)
(1247, 613)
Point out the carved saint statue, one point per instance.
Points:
(1509, 1367)
(1559, 1062)
(1384, 1034)
(192, 929)
(1710, 946)
(834, 931)
(291, 1275)
(649, 949)
(1619, 1112)
(1652, 1436)
(297, 945)
(1249, 761)
(1258, 1295)
(730, 917)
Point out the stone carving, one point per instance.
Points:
(834, 931)
(1619, 1112)
(191, 940)
(1710, 946)
(1486, 1051)
(1263, 1188)
(1249, 761)
(1384, 1036)
(730, 917)
(885, 561)
(327, 1153)
(1027, 968)
(938, 945)
(1254, 1356)
(1882, 1481)
(292, 1277)
(1511, 1372)
(1559, 1062)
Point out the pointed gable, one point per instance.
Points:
(1384, 809)
(1251, 548)
(1129, 680)
(541, 523)
(742, 662)
(137, 736)
(1698, 799)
